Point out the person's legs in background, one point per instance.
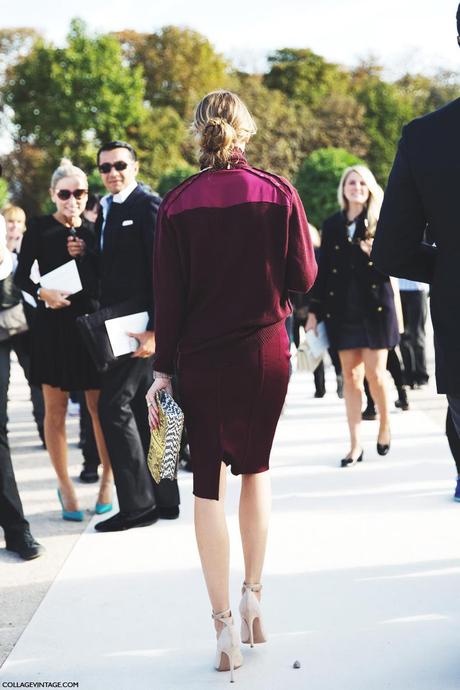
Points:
(412, 345)
(91, 460)
(453, 436)
(18, 537)
(353, 384)
(20, 343)
(104, 500)
(394, 366)
(56, 442)
(375, 363)
(421, 312)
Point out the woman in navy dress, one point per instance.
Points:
(230, 243)
(356, 303)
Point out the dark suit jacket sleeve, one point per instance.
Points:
(398, 248)
(149, 221)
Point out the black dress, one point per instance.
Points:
(59, 357)
(354, 299)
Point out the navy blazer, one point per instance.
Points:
(126, 258)
(423, 197)
(340, 260)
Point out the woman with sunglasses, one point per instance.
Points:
(59, 360)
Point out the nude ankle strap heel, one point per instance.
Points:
(251, 616)
(228, 655)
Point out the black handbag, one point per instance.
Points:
(94, 333)
(12, 316)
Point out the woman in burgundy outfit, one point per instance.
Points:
(230, 243)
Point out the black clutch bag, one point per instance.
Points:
(94, 333)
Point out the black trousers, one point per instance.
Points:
(412, 345)
(453, 429)
(20, 344)
(123, 415)
(12, 518)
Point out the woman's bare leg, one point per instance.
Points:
(213, 546)
(353, 388)
(56, 441)
(375, 362)
(254, 514)
(106, 485)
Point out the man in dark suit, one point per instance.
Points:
(18, 537)
(125, 228)
(422, 197)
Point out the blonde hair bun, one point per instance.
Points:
(221, 122)
(218, 135)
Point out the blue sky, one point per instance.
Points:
(401, 34)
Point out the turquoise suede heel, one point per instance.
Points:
(102, 508)
(73, 515)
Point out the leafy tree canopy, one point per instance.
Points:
(180, 66)
(305, 76)
(67, 100)
(318, 178)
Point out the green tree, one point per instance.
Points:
(3, 193)
(286, 131)
(387, 109)
(318, 178)
(429, 93)
(159, 141)
(67, 100)
(305, 76)
(180, 66)
(341, 124)
(175, 177)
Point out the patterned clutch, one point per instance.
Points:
(165, 440)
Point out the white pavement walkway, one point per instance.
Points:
(361, 581)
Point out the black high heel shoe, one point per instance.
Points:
(350, 461)
(383, 448)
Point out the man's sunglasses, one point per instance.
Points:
(107, 167)
(65, 194)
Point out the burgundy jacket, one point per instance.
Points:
(229, 245)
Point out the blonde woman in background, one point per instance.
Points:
(59, 359)
(20, 343)
(356, 303)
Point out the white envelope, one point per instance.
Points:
(65, 278)
(318, 344)
(118, 329)
(7, 264)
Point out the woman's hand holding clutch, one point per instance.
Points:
(162, 382)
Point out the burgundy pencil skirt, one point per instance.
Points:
(232, 402)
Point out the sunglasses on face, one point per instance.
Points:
(107, 167)
(65, 194)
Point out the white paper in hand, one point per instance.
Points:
(318, 344)
(118, 329)
(65, 278)
(6, 266)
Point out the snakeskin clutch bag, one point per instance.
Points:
(165, 440)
